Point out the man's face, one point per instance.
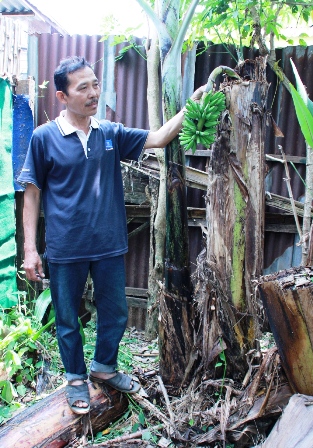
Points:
(82, 93)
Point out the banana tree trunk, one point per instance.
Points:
(175, 322)
(175, 330)
(235, 216)
(287, 298)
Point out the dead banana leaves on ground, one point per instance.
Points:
(201, 120)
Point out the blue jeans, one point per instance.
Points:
(67, 282)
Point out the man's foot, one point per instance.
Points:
(77, 395)
(117, 380)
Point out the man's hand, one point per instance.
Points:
(32, 261)
(33, 266)
(197, 94)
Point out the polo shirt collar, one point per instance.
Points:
(66, 128)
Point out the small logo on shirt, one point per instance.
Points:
(108, 145)
(25, 169)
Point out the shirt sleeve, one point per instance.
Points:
(33, 170)
(130, 141)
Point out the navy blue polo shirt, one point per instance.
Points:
(82, 193)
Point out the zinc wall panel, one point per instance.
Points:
(51, 49)
(131, 109)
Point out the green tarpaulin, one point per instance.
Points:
(8, 288)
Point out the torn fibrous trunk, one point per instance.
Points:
(235, 230)
(287, 298)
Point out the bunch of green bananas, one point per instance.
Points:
(201, 119)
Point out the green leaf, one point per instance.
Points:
(146, 435)
(303, 43)
(42, 303)
(218, 364)
(141, 418)
(304, 116)
(81, 330)
(301, 88)
(8, 392)
(19, 378)
(29, 361)
(21, 389)
(11, 357)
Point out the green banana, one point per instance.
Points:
(201, 119)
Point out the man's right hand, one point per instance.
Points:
(33, 266)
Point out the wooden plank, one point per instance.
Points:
(196, 213)
(137, 211)
(136, 302)
(279, 157)
(137, 292)
(283, 203)
(199, 153)
(194, 178)
(281, 228)
(269, 157)
(197, 222)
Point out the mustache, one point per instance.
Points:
(89, 103)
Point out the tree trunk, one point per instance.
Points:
(171, 32)
(158, 209)
(235, 216)
(51, 423)
(174, 329)
(287, 298)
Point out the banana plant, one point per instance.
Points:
(304, 112)
(303, 106)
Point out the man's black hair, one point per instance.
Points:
(68, 65)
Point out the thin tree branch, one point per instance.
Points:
(134, 435)
(167, 401)
(290, 193)
(307, 220)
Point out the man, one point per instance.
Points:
(74, 162)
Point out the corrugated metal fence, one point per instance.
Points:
(124, 100)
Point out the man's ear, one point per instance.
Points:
(61, 96)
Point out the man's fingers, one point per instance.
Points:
(33, 275)
(33, 270)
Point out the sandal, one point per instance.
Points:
(120, 382)
(78, 393)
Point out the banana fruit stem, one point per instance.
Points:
(216, 72)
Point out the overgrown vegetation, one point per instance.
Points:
(31, 365)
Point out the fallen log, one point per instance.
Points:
(294, 429)
(51, 424)
(287, 298)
